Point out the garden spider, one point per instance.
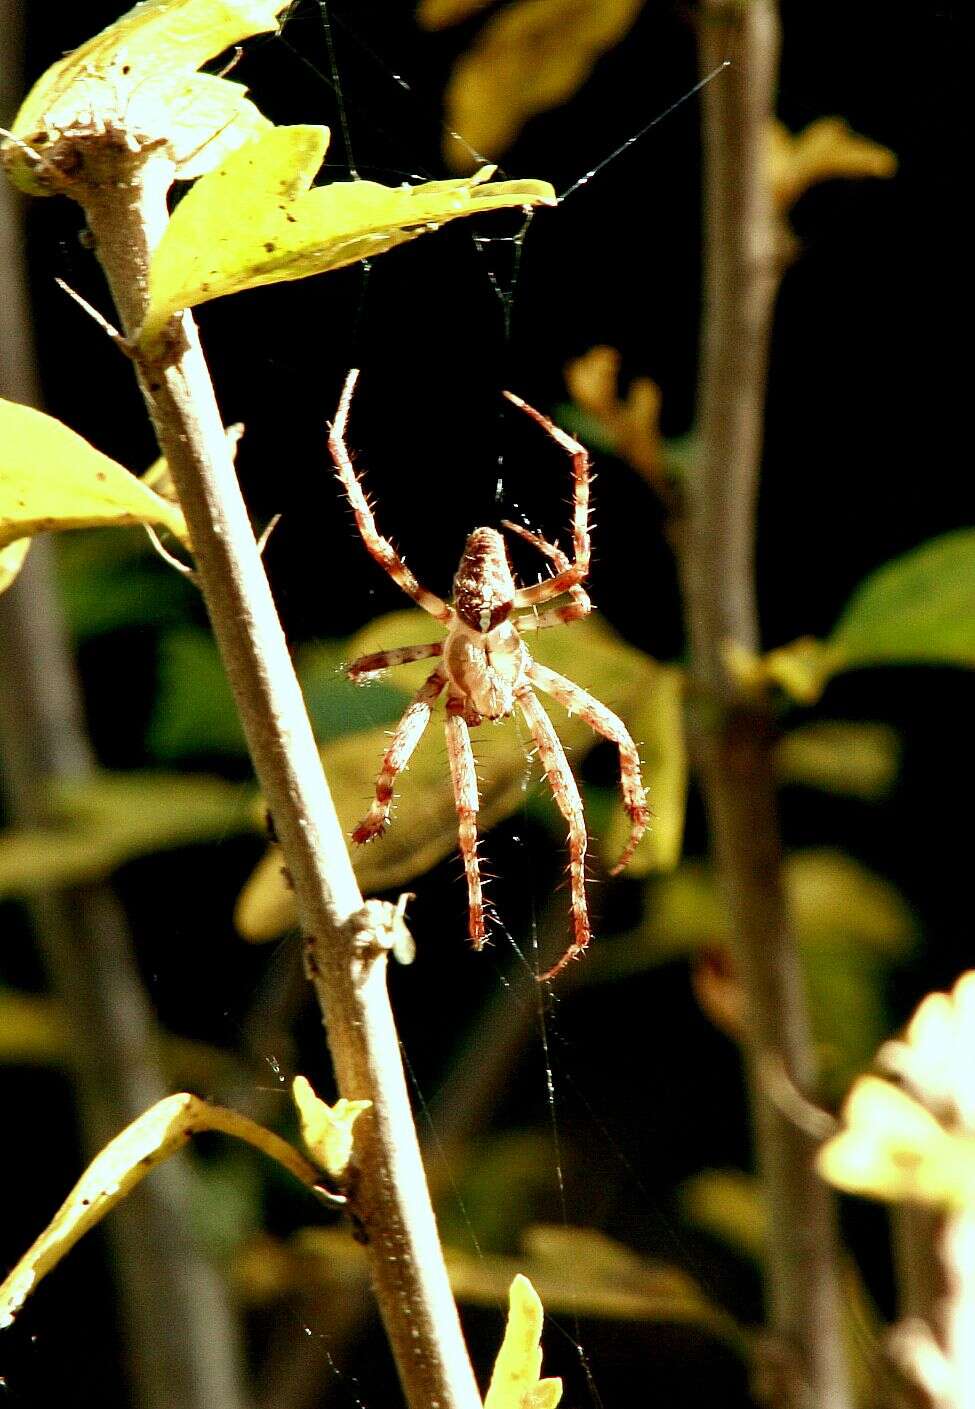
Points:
(487, 671)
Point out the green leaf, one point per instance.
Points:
(139, 73)
(100, 822)
(920, 607)
(851, 759)
(255, 221)
(52, 479)
(110, 581)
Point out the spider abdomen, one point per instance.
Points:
(484, 589)
(485, 669)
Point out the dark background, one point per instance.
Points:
(861, 463)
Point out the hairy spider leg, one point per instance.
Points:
(463, 775)
(574, 610)
(576, 571)
(566, 794)
(380, 548)
(365, 666)
(579, 702)
(407, 735)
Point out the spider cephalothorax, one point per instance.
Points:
(488, 673)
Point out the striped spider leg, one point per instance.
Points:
(487, 673)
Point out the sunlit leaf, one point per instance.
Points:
(515, 1382)
(210, 118)
(424, 816)
(256, 220)
(526, 59)
(892, 1148)
(852, 759)
(99, 823)
(934, 1058)
(12, 559)
(327, 1130)
(51, 478)
(627, 425)
(123, 1163)
(136, 73)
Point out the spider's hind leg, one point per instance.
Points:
(463, 775)
(566, 793)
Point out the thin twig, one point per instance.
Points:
(126, 212)
(732, 733)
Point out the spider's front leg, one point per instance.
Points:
(575, 572)
(380, 548)
(366, 666)
(463, 775)
(408, 733)
(566, 793)
(574, 610)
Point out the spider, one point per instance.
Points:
(487, 672)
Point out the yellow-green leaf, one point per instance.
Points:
(256, 220)
(518, 1366)
(852, 759)
(100, 822)
(12, 559)
(658, 728)
(115, 1171)
(210, 117)
(892, 1148)
(133, 74)
(52, 479)
(727, 1204)
(919, 607)
(526, 59)
(327, 1130)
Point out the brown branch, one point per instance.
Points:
(732, 733)
(124, 197)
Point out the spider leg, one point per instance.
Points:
(574, 572)
(464, 778)
(361, 669)
(578, 701)
(566, 793)
(574, 610)
(408, 733)
(380, 548)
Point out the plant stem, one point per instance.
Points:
(181, 1337)
(732, 733)
(126, 210)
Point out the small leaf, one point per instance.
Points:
(123, 1163)
(32, 1029)
(327, 1130)
(851, 759)
(918, 608)
(517, 1368)
(135, 73)
(827, 150)
(51, 478)
(100, 822)
(892, 1148)
(12, 559)
(526, 59)
(254, 221)
(658, 727)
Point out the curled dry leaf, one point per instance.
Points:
(827, 150)
(123, 1163)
